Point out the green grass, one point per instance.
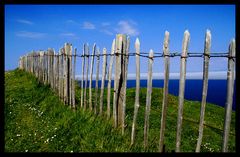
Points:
(37, 121)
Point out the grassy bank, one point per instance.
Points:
(36, 120)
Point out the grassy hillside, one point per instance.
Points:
(36, 121)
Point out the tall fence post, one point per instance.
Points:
(110, 79)
(83, 68)
(165, 90)
(91, 72)
(136, 104)
(182, 88)
(86, 81)
(96, 83)
(148, 99)
(126, 48)
(207, 46)
(230, 89)
(73, 80)
(119, 78)
(103, 79)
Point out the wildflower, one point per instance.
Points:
(18, 135)
(26, 150)
(55, 128)
(11, 139)
(10, 112)
(71, 151)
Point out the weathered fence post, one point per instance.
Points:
(182, 88)
(103, 79)
(83, 68)
(148, 99)
(207, 46)
(230, 89)
(165, 90)
(57, 73)
(110, 79)
(73, 80)
(69, 66)
(65, 75)
(126, 47)
(86, 81)
(119, 78)
(136, 104)
(91, 72)
(96, 83)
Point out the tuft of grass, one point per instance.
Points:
(37, 121)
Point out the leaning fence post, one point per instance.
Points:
(86, 81)
(148, 99)
(126, 47)
(207, 46)
(96, 83)
(230, 88)
(165, 90)
(182, 88)
(136, 105)
(83, 68)
(103, 79)
(110, 79)
(91, 72)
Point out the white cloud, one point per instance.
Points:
(104, 24)
(28, 34)
(25, 21)
(88, 25)
(68, 34)
(127, 27)
(107, 32)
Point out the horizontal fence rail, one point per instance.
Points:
(58, 70)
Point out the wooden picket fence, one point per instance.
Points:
(58, 71)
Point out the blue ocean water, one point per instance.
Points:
(217, 89)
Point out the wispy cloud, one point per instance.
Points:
(104, 24)
(107, 32)
(27, 34)
(68, 34)
(25, 21)
(88, 25)
(127, 27)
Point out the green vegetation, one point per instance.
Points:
(37, 121)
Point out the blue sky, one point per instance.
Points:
(38, 27)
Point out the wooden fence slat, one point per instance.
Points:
(103, 79)
(91, 72)
(126, 47)
(110, 79)
(230, 90)
(165, 90)
(86, 81)
(136, 104)
(73, 80)
(207, 46)
(148, 99)
(69, 53)
(83, 68)
(182, 88)
(96, 83)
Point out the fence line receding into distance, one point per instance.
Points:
(58, 70)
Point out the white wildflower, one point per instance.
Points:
(26, 150)
(71, 151)
(18, 135)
